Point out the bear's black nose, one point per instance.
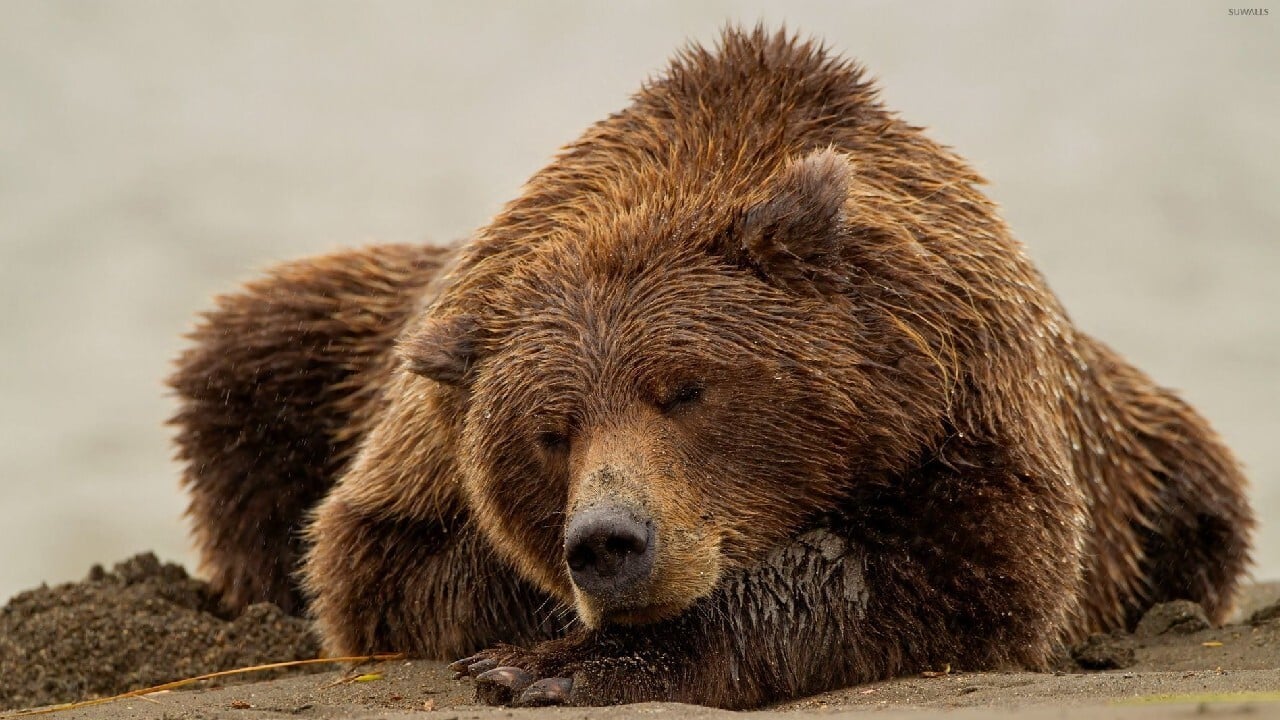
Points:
(609, 549)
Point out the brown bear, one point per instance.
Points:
(750, 394)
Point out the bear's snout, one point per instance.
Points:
(609, 549)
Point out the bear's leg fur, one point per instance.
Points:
(1170, 497)
(395, 562)
(1198, 548)
(1196, 541)
(966, 563)
(271, 398)
(389, 584)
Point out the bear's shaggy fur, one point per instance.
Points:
(776, 325)
(277, 390)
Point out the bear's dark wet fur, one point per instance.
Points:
(775, 334)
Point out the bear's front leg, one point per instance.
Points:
(794, 624)
(399, 584)
(395, 562)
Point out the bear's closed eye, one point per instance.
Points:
(553, 441)
(684, 396)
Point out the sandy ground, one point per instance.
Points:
(142, 624)
(407, 689)
(1173, 677)
(134, 626)
(152, 154)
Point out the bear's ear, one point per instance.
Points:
(443, 349)
(794, 236)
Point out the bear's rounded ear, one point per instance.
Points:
(443, 349)
(794, 237)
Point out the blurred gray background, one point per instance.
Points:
(155, 153)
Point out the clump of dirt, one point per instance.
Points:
(141, 624)
(1178, 636)
(1181, 617)
(1266, 614)
(1105, 651)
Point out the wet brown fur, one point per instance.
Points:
(901, 455)
(278, 387)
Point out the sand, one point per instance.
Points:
(141, 624)
(144, 623)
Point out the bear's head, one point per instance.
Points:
(658, 397)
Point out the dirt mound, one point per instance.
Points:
(141, 624)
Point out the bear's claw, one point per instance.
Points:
(478, 668)
(501, 685)
(547, 691)
(513, 676)
(507, 676)
(466, 662)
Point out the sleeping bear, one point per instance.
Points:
(750, 394)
